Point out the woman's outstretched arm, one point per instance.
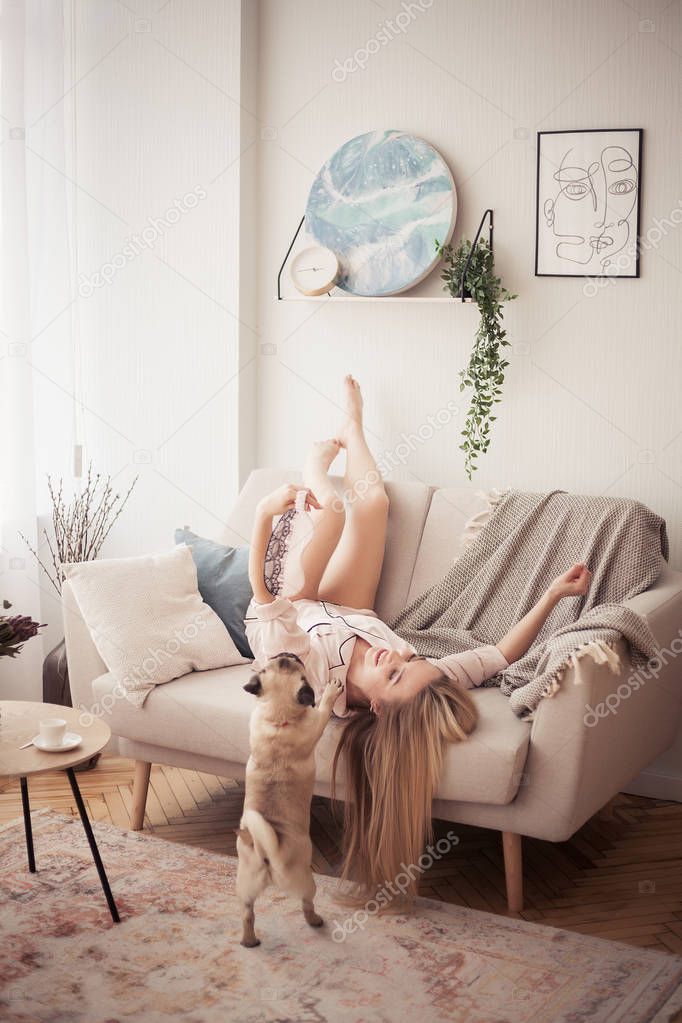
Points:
(520, 638)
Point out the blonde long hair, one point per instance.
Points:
(392, 766)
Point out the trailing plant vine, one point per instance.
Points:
(485, 372)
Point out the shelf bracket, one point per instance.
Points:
(284, 261)
(488, 213)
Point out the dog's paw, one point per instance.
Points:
(314, 920)
(333, 689)
(250, 942)
(331, 693)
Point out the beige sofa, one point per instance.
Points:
(544, 778)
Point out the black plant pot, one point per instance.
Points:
(56, 688)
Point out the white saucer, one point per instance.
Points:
(70, 741)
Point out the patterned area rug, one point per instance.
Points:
(175, 955)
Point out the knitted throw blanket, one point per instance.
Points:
(528, 540)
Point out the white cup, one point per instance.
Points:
(52, 731)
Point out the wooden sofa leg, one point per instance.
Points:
(140, 786)
(513, 870)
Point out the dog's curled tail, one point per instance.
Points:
(263, 834)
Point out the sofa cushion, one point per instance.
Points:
(223, 578)
(208, 712)
(409, 505)
(147, 619)
(449, 511)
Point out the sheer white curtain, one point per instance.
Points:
(111, 124)
(35, 303)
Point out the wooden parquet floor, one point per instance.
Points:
(619, 877)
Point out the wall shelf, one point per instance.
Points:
(337, 295)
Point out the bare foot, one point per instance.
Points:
(323, 453)
(353, 401)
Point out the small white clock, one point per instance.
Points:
(315, 270)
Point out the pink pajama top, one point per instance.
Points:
(323, 636)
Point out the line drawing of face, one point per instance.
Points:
(591, 212)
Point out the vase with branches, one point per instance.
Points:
(79, 528)
(484, 373)
(81, 525)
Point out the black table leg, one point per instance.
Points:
(93, 845)
(27, 825)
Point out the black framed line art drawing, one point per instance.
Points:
(588, 203)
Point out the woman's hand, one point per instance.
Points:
(283, 499)
(519, 639)
(574, 583)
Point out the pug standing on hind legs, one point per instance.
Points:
(273, 841)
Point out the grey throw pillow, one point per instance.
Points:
(223, 577)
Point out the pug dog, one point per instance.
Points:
(273, 840)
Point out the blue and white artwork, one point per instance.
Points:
(380, 202)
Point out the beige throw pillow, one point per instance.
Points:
(148, 621)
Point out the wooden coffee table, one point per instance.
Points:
(19, 722)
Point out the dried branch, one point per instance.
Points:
(46, 570)
(81, 526)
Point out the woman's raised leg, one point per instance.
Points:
(328, 520)
(352, 576)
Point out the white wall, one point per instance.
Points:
(591, 400)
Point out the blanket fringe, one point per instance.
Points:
(474, 525)
(599, 650)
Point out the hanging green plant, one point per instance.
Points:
(485, 371)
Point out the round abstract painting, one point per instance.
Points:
(380, 202)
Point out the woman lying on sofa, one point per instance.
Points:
(313, 596)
